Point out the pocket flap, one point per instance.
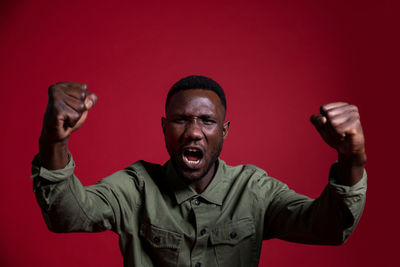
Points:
(233, 232)
(160, 238)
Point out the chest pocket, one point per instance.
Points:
(161, 246)
(234, 243)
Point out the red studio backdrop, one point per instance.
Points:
(278, 62)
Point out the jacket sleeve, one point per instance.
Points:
(327, 220)
(67, 206)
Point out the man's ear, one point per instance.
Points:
(225, 130)
(163, 124)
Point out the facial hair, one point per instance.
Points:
(214, 160)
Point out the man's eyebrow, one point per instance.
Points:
(201, 116)
(206, 116)
(179, 115)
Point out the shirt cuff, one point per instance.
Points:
(344, 189)
(351, 194)
(52, 175)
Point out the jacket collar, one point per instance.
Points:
(215, 192)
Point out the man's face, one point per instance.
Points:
(194, 132)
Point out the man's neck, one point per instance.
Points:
(200, 185)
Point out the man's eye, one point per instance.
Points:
(208, 122)
(180, 121)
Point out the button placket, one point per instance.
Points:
(201, 213)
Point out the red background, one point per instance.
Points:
(278, 62)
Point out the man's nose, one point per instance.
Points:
(193, 131)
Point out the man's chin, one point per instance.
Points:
(192, 176)
(188, 172)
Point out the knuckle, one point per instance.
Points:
(81, 106)
(356, 123)
(52, 89)
(353, 107)
(82, 94)
(60, 115)
(335, 123)
(73, 117)
(330, 114)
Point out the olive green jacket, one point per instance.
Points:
(163, 222)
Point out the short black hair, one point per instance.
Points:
(196, 82)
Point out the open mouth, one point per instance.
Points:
(192, 156)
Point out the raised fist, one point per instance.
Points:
(339, 125)
(66, 110)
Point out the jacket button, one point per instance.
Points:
(233, 235)
(156, 239)
(198, 264)
(197, 202)
(203, 231)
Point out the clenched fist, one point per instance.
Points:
(66, 110)
(339, 125)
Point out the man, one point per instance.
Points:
(196, 210)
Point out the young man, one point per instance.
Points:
(196, 210)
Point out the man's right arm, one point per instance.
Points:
(66, 205)
(66, 111)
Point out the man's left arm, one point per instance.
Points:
(332, 217)
(339, 125)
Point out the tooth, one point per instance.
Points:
(192, 161)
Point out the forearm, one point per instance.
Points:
(53, 155)
(350, 169)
